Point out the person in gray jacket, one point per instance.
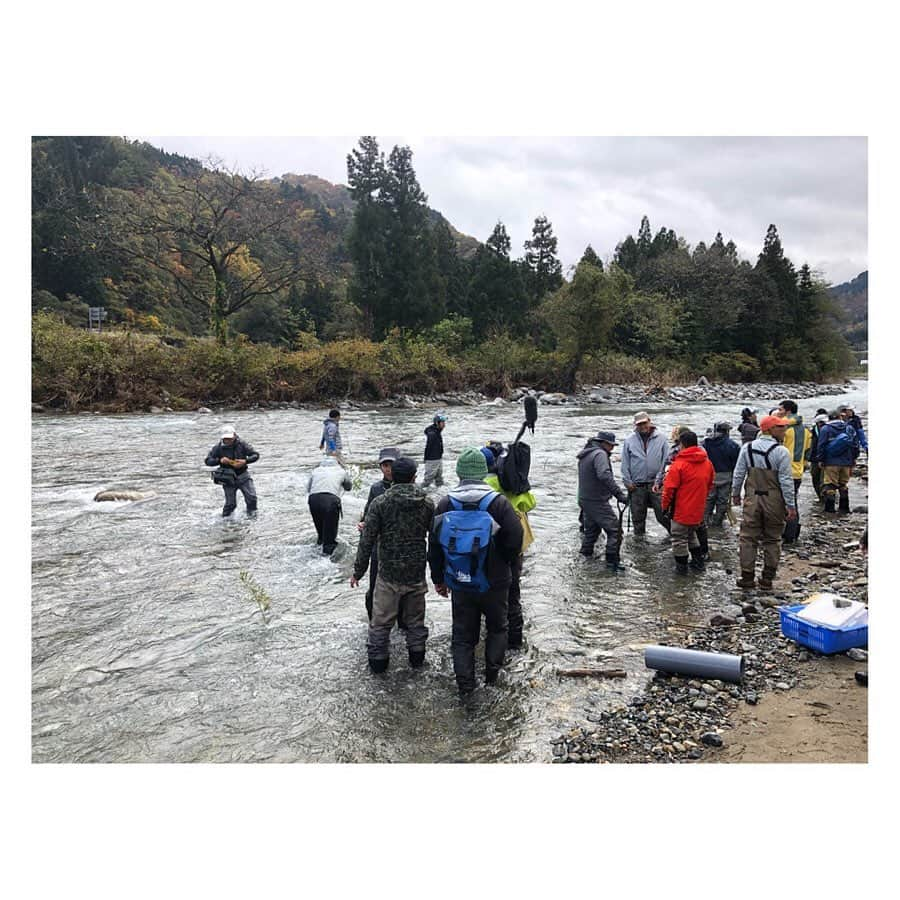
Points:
(232, 455)
(644, 454)
(325, 486)
(596, 487)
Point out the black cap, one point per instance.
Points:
(723, 427)
(607, 436)
(404, 470)
(388, 454)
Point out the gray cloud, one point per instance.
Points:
(595, 189)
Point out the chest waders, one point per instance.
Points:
(763, 519)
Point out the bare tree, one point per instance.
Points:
(209, 230)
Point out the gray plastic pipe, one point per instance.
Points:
(724, 666)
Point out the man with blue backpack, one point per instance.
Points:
(836, 448)
(476, 539)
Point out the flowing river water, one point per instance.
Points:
(148, 647)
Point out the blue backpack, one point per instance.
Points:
(465, 537)
(839, 444)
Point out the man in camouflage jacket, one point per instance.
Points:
(397, 523)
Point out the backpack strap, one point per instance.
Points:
(487, 500)
(763, 453)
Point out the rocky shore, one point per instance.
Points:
(607, 394)
(679, 719)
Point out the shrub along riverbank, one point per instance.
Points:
(73, 369)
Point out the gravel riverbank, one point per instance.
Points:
(678, 719)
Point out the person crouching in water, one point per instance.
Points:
(475, 541)
(686, 486)
(596, 487)
(434, 451)
(232, 455)
(522, 504)
(397, 525)
(325, 486)
(766, 466)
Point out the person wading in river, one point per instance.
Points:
(386, 458)
(644, 453)
(797, 440)
(476, 539)
(685, 489)
(596, 487)
(766, 466)
(331, 435)
(434, 452)
(324, 487)
(397, 524)
(232, 455)
(523, 504)
(723, 453)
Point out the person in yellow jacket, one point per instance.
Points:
(798, 441)
(522, 504)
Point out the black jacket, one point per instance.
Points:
(240, 449)
(507, 542)
(722, 451)
(434, 445)
(376, 491)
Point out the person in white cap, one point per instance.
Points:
(644, 454)
(232, 455)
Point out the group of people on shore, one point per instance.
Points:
(473, 538)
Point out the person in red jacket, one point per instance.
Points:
(686, 486)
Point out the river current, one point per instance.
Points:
(147, 645)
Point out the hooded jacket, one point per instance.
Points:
(827, 434)
(722, 452)
(507, 534)
(798, 442)
(642, 461)
(748, 432)
(398, 523)
(688, 483)
(331, 436)
(596, 483)
(434, 443)
(328, 478)
(240, 449)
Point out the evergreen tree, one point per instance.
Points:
(544, 270)
(591, 258)
(450, 269)
(366, 177)
(497, 295)
(644, 239)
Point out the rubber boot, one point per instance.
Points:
(612, 562)
(378, 665)
(829, 501)
(844, 502)
(697, 559)
(765, 579)
(417, 658)
(747, 581)
(703, 538)
(681, 565)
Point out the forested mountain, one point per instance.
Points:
(172, 246)
(852, 297)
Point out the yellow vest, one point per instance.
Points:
(522, 504)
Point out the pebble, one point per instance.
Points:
(857, 655)
(782, 686)
(700, 704)
(711, 739)
(709, 689)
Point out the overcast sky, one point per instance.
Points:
(595, 189)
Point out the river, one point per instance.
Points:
(147, 646)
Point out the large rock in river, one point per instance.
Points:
(123, 495)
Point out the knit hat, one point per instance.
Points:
(472, 464)
(404, 470)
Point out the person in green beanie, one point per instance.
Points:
(475, 574)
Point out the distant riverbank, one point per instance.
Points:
(76, 371)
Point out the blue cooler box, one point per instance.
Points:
(821, 638)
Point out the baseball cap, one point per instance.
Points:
(388, 454)
(772, 422)
(228, 432)
(640, 417)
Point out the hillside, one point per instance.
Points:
(852, 297)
